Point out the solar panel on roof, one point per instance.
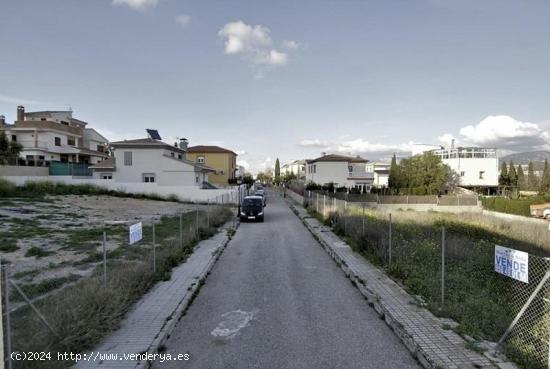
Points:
(154, 134)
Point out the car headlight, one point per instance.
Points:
(261, 213)
(242, 213)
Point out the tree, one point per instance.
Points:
(277, 172)
(504, 179)
(545, 180)
(393, 179)
(512, 175)
(9, 150)
(422, 175)
(532, 180)
(522, 182)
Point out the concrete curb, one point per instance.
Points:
(407, 338)
(186, 301)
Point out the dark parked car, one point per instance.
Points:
(252, 208)
(261, 193)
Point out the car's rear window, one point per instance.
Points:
(252, 202)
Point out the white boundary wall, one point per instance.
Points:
(184, 193)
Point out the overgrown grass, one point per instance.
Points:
(85, 312)
(37, 252)
(39, 189)
(520, 206)
(33, 290)
(482, 301)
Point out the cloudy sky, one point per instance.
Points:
(287, 79)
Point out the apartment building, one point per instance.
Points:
(48, 136)
(343, 171)
(223, 161)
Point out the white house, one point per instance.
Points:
(48, 136)
(297, 167)
(381, 173)
(477, 167)
(343, 171)
(151, 161)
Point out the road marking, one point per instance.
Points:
(232, 323)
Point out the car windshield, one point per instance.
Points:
(252, 202)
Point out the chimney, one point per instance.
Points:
(2, 120)
(183, 143)
(20, 112)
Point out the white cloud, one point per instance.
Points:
(505, 132)
(361, 146)
(314, 143)
(183, 20)
(241, 152)
(20, 101)
(252, 43)
(290, 44)
(140, 5)
(244, 164)
(447, 139)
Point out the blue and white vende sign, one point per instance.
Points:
(135, 233)
(512, 263)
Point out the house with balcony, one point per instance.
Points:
(381, 173)
(151, 161)
(342, 171)
(54, 136)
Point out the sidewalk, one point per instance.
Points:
(419, 330)
(150, 322)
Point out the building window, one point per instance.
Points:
(180, 156)
(196, 178)
(106, 176)
(314, 168)
(14, 138)
(149, 177)
(200, 159)
(43, 119)
(127, 158)
(71, 141)
(64, 123)
(100, 148)
(462, 174)
(30, 157)
(172, 154)
(481, 174)
(57, 141)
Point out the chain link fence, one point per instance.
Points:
(88, 296)
(449, 264)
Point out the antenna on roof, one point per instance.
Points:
(153, 134)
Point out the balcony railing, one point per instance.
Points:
(360, 175)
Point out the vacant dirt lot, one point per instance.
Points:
(56, 240)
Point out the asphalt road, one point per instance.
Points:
(275, 299)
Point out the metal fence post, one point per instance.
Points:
(8, 320)
(345, 217)
(208, 214)
(181, 230)
(317, 203)
(363, 219)
(105, 259)
(442, 266)
(197, 220)
(324, 205)
(154, 250)
(389, 242)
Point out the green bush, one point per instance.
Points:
(7, 188)
(519, 206)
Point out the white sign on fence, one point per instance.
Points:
(512, 263)
(135, 233)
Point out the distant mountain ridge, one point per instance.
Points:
(537, 157)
